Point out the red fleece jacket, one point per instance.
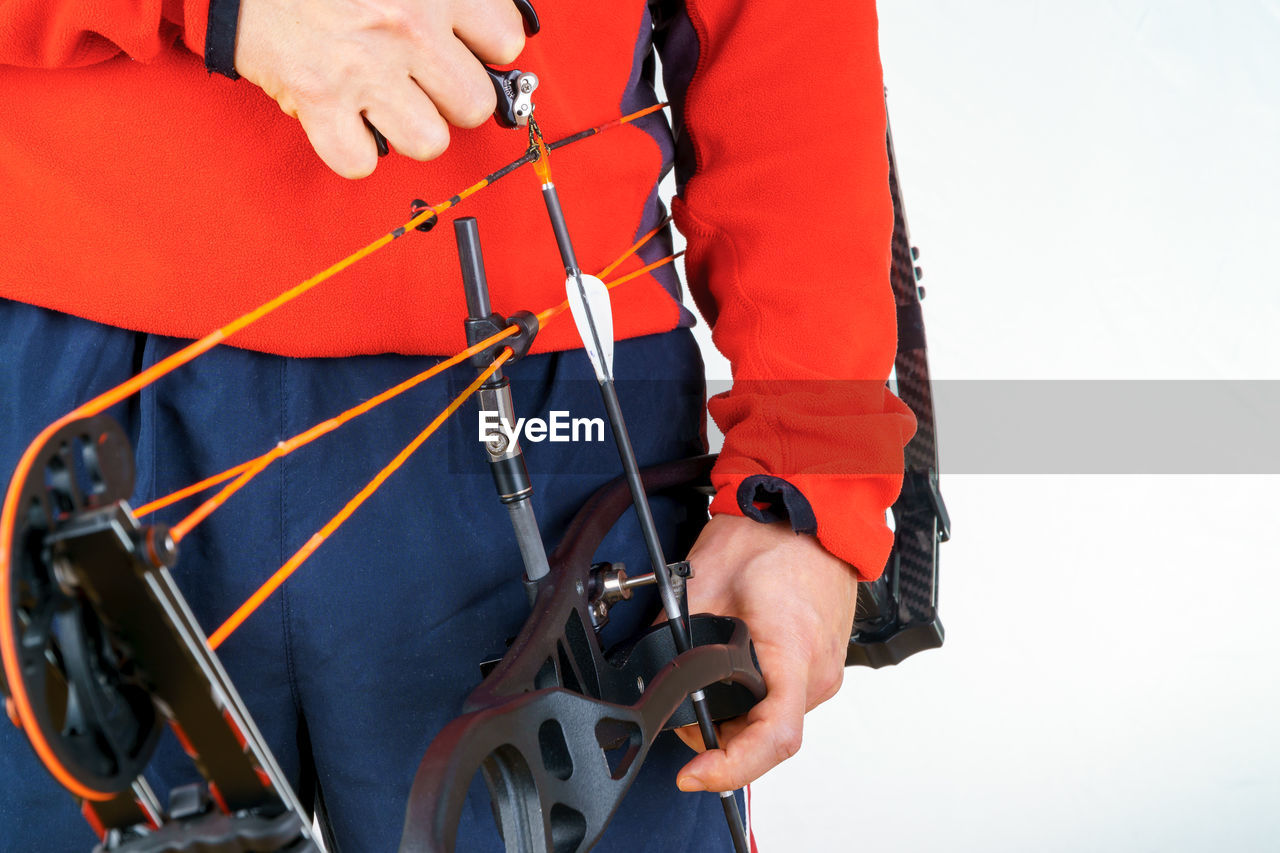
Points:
(143, 192)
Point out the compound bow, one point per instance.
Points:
(100, 650)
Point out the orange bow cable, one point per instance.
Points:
(194, 489)
(635, 247)
(291, 565)
(550, 314)
(302, 439)
(282, 574)
(647, 268)
(246, 471)
(256, 467)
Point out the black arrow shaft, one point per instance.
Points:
(671, 603)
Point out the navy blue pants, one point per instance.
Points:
(353, 666)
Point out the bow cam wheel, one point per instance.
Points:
(83, 706)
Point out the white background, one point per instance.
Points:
(1094, 188)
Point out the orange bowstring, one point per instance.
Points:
(190, 352)
(630, 117)
(197, 348)
(291, 565)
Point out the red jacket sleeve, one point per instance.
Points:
(788, 217)
(71, 33)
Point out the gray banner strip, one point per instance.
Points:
(1109, 427)
(1105, 426)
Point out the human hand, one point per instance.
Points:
(410, 68)
(798, 600)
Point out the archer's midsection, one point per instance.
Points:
(154, 196)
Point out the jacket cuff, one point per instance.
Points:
(771, 499)
(838, 443)
(848, 513)
(220, 37)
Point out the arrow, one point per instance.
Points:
(592, 310)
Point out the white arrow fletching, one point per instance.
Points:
(595, 314)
